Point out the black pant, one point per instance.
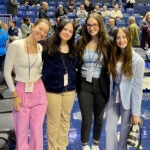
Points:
(2, 58)
(90, 103)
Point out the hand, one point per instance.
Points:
(117, 17)
(17, 103)
(135, 120)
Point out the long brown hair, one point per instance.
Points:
(103, 44)
(126, 68)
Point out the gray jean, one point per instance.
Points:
(113, 112)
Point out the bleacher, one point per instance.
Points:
(139, 10)
(32, 12)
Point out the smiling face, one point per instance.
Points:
(92, 27)
(67, 32)
(39, 31)
(121, 40)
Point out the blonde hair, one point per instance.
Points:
(42, 20)
(146, 15)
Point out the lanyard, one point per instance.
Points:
(63, 61)
(117, 81)
(30, 66)
(91, 57)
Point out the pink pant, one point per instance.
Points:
(30, 117)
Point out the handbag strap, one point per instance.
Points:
(140, 139)
(6, 142)
(139, 146)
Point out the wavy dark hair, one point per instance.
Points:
(52, 43)
(126, 57)
(103, 44)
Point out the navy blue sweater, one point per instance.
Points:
(53, 73)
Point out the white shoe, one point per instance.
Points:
(86, 147)
(95, 147)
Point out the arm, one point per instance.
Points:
(11, 56)
(8, 65)
(86, 13)
(119, 15)
(112, 15)
(136, 94)
(78, 12)
(7, 44)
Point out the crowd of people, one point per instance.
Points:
(116, 12)
(101, 67)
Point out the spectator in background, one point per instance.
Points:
(88, 6)
(130, 3)
(13, 31)
(60, 12)
(71, 7)
(77, 26)
(55, 26)
(26, 27)
(43, 11)
(12, 7)
(116, 13)
(117, 2)
(134, 31)
(4, 40)
(96, 9)
(5, 26)
(145, 26)
(82, 13)
(52, 24)
(112, 28)
(105, 12)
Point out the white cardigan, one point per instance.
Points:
(17, 60)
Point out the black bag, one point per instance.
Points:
(133, 140)
(7, 140)
(4, 141)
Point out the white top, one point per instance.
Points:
(114, 14)
(105, 13)
(17, 60)
(82, 14)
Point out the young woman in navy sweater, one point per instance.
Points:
(59, 76)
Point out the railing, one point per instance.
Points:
(6, 18)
